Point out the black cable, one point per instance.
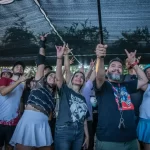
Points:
(100, 21)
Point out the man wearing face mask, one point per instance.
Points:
(116, 129)
(10, 95)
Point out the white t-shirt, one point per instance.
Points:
(9, 104)
(145, 106)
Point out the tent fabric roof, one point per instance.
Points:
(125, 25)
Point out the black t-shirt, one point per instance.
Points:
(137, 97)
(72, 106)
(109, 114)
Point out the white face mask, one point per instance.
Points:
(93, 101)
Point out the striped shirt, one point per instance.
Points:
(42, 97)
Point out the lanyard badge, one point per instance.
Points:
(117, 95)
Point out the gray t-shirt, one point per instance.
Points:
(72, 106)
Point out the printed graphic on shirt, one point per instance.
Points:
(125, 99)
(78, 108)
(93, 101)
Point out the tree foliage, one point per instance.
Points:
(80, 36)
(18, 38)
(138, 38)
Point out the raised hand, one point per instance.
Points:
(101, 50)
(71, 61)
(138, 59)
(92, 63)
(43, 37)
(82, 68)
(60, 51)
(131, 57)
(67, 50)
(23, 78)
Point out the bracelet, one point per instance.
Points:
(100, 57)
(134, 64)
(59, 58)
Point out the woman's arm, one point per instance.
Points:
(41, 59)
(86, 141)
(59, 75)
(90, 70)
(67, 64)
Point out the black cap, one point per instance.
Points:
(19, 63)
(115, 59)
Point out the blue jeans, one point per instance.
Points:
(69, 136)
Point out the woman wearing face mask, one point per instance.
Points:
(33, 129)
(71, 122)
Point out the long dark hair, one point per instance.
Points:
(46, 84)
(28, 83)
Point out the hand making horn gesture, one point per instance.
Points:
(43, 37)
(60, 51)
(67, 49)
(131, 58)
(92, 63)
(71, 61)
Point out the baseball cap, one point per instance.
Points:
(19, 63)
(146, 67)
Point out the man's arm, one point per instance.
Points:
(100, 69)
(4, 90)
(132, 62)
(142, 79)
(100, 76)
(144, 87)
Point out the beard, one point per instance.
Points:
(115, 77)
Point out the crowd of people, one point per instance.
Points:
(97, 109)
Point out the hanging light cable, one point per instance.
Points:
(52, 26)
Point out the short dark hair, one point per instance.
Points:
(19, 63)
(115, 59)
(47, 66)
